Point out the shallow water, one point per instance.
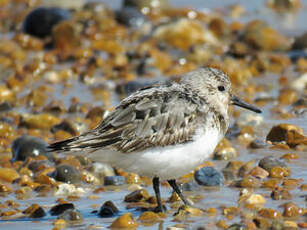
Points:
(224, 196)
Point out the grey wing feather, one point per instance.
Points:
(139, 122)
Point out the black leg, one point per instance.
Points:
(174, 185)
(156, 187)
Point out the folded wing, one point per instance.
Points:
(151, 117)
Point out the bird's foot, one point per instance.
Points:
(158, 209)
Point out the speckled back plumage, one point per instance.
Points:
(159, 115)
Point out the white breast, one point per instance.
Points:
(168, 162)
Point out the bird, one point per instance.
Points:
(164, 130)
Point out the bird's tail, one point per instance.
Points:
(65, 145)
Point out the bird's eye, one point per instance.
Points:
(221, 88)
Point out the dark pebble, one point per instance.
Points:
(66, 126)
(280, 194)
(257, 144)
(5, 106)
(67, 173)
(71, 215)
(60, 208)
(270, 162)
(114, 180)
(300, 42)
(229, 174)
(40, 21)
(233, 131)
(38, 213)
(95, 112)
(108, 209)
(190, 186)
(29, 146)
(36, 166)
(209, 176)
(130, 17)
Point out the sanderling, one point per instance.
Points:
(163, 131)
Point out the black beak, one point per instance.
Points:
(237, 101)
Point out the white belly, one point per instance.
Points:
(168, 162)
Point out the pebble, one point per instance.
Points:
(187, 211)
(29, 146)
(257, 144)
(300, 42)
(133, 178)
(60, 208)
(268, 163)
(125, 221)
(68, 190)
(247, 182)
(130, 17)
(269, 213)
(244, 169)
(299, 83)
(66, 126)
(227, 153)
(66, 37)
(41, 21)
(256, 199)
(291, 134)
(136, 196)
(42, 121)
(259, 172)
(191, 30)
(35, 211)
(209, 176)
(230, 171)
(102, 170)
(149, 217)
(261, 36)
(72, 216)
(8, 174)
(108, 209)
(291, 210)
(114, 180)
(67, 173)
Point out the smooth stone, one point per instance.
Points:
(226, 153)
(35, 211)
(268, 163)
(137, 196)
(300, 42)
(71, 216)
(209, 176)
(29, 146)
(66, 173)
(108, 209)
(5, 106)
(190, 186)
(130, 17)
(114, 180)
(125, 221)
(102, 170)
(38, 213)
(60, 208)
(41, 21)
